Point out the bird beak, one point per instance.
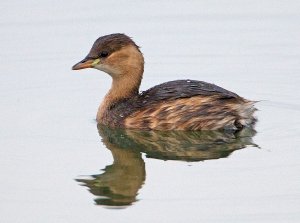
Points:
(86, 63)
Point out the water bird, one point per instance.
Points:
(173, 105)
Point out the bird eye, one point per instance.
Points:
(104, 54)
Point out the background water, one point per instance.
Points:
(49, 138)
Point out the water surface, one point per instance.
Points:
(57, 166)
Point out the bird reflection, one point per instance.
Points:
(120, 182)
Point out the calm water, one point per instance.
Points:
(58, 166)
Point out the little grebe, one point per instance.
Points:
(174, 105)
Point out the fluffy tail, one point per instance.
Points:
(246, 115)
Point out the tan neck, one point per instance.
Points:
(123, 87)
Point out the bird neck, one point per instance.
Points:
(123, 87)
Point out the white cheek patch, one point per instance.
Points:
(108, 69)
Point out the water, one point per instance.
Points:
(57, 165)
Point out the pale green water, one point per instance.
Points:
(49, 138)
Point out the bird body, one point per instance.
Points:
(174, 105)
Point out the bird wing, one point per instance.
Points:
(184, 89)
(166, 92)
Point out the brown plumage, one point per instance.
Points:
(174, 105)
